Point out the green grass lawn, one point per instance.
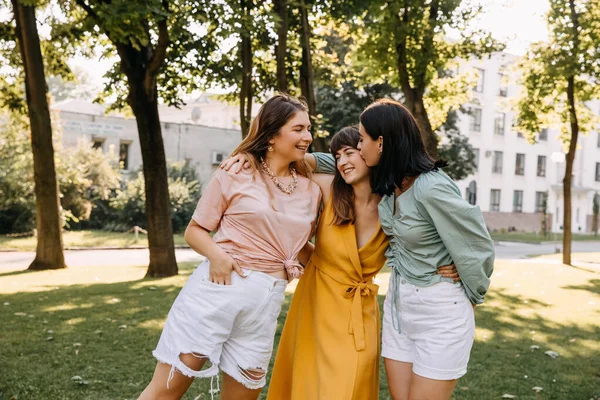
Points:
(101, 323)
(85, 239)
(532, 237)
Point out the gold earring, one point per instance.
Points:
(270, 148)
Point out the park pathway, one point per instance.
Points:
(15, 260)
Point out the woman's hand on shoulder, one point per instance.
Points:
(237, 162)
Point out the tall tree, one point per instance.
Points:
(559, 77)
(595, 212)
(152, 42)
(405, 41)
(246, 94)
(49, 251)
(307, 81)
(280, 7)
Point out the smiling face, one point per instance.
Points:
(351, 166)
(293, 139)
(370, 149)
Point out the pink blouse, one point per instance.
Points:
(260, 232)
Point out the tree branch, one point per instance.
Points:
(89, 10)
(160, 52)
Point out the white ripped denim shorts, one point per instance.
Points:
(232, 326)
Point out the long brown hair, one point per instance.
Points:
(273, 114)
(342, 194)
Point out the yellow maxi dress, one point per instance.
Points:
(330, 345)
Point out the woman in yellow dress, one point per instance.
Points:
(329, 348)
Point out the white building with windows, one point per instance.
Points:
(513, 175)
(202, 134)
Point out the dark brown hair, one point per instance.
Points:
(404, 153)
(342, 194)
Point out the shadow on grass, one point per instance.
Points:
(19, 272)
(104, 333)
(592, 286)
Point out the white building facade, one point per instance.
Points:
(201, 146)
(513, 175)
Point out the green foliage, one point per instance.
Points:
(85, 175)
(456, 149)
(17, 202)
(548, 65)
(341, 105)
(127, 207)
(405, 43)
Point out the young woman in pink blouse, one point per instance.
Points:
(225, 317)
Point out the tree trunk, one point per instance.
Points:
(307, 78)
(595, 210)
(570, 158)
(281, 9)
(144, 103)
(414, 102)
(430, 139)
(49, 251)
(246, 88)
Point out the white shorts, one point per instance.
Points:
(437, 329)
(233, 326)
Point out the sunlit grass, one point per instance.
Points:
(533, 237)
(86, 239)
(101, 323)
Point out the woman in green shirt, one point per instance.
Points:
(428, 324)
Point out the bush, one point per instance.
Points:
(93, 194)
(128, 206)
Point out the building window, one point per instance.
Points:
(520, 135)
(475, 125)
(541, 166)
(520, 164)
(598, 172)
(598, 144)
(480, 79)
(499, 124)
(540, 202)
(503, 89)
(124, 155)
(518, 201)
(543, 134)
(98, 143)
(497, 162)
(472, 193)
(476, 152)
(495, 200)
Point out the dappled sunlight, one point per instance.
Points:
(156, 323)
(75, 321)
(483, 335)
(67, 306)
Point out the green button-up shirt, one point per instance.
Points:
(432, 226)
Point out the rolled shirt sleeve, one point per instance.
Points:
(213, 203)
(462, 229)
(325, 163)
